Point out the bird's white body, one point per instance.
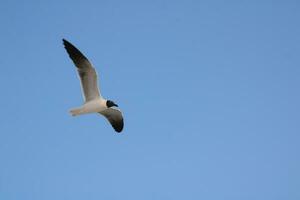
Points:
(93, 106)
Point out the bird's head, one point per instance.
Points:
(110, 103)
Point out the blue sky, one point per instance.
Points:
(209, 91)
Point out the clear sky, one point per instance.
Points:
(209, 91)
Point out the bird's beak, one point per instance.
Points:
(115, 105)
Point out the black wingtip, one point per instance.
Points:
(66, 42)
(118, 126)
(74, 53)
(118, 131)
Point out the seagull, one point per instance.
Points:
(93, 101)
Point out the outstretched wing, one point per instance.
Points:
(86, 71)
(114, 116)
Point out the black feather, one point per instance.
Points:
(77, 57)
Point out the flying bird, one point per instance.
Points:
(93, 101)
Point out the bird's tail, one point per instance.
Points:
(76, 111)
